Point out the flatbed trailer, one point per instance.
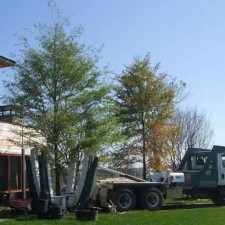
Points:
(129, 194)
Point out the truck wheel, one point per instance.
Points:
(125, 200)
(151, 199)
(218, 199)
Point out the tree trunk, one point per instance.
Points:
(144, 166)
(143, 147)
(57, 171)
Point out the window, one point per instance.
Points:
(15, 181)
(199, 160)
(223, 160)
(3, 173)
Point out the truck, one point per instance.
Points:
(204, 172)
(201, 174)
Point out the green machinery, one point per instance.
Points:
(204, 172)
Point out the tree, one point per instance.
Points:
(194, 131)
(146, 100)
(58, 91)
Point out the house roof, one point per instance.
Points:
(5, 62)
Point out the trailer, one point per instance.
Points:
(127, 192)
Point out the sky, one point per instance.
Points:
(186, 37)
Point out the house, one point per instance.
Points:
(10, 151)
(4, 62)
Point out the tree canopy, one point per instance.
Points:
(146, 100)
(58, 91)
(194, 131)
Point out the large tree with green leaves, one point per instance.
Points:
(146, 100)
(58, 90)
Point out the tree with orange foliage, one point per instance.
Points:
(146, 100)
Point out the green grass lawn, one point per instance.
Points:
(170, 215)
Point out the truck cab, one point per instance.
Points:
(204, 172)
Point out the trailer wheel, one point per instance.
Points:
(125, 200)
(151, 199)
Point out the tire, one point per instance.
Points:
(151, 199)
(218, 199)
(125, 200)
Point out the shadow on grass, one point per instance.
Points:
(188, 206)
(178, 205)
(7, 213)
